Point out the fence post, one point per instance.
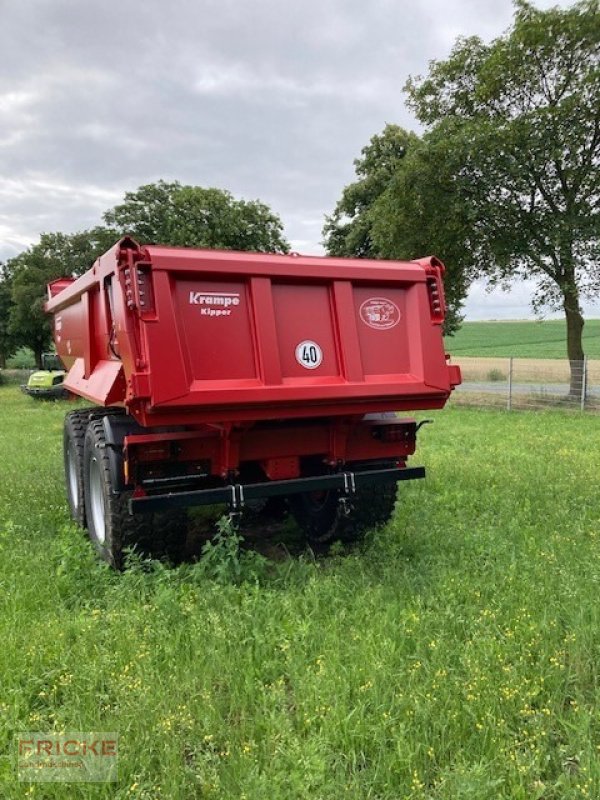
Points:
(510, 379)
(583, 382)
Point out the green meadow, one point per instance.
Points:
(521, 339)
(455, 654)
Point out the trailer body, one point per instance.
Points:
(251, 368)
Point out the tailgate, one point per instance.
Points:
(279, 332)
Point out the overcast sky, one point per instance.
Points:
(267, 98)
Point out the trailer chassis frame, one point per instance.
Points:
(236, 494)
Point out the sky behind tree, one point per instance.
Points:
(270, 100)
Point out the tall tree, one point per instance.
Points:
(54, 256)
(6, 339)
(349, 229)
(525, 112)
(192, 216)
(404, 205)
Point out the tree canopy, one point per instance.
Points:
(192, 216)
(505, 181)
(54, 256)
(167, 213)
(403, 205)
(524, 112)
(349, 229)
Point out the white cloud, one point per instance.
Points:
(12, 240)
(239, 80)
(14, 102)
(34, 185)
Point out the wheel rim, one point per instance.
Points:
(73, 477)
(97, 501)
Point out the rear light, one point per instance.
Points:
(159, 451)
(436, 299)
(394, 433)
(139, 293)
(434, 270)
(145, 292)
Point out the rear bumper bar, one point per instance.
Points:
(237, 494)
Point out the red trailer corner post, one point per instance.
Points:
(228, 377)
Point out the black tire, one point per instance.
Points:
(322, 520)
(75, 426)
(73, 440)
(112, 529)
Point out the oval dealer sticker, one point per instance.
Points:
(380, 313)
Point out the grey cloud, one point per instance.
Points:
(270, 100)
(483, 304)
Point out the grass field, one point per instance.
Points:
(456, 655)
(521, 339)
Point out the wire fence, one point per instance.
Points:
(528, 383)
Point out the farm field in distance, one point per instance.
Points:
(455, 655)
(521, 339)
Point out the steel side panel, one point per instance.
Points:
(105, 385)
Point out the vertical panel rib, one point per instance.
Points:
(346, 333)
(265, 330)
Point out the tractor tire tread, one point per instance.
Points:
(151, 535)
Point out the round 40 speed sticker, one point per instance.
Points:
(308, 354)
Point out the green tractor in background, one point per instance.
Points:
(47, 383)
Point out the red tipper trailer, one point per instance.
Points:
(244, 378)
